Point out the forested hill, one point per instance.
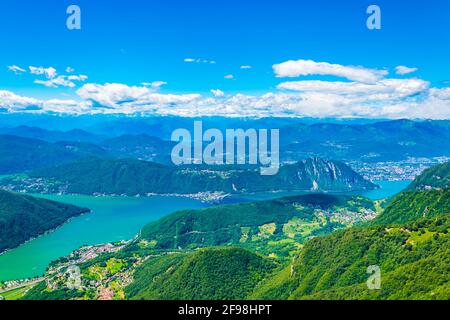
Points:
(134, 177)
(437, 177)
(410, 247)
(413, 260)
(24, 217)
(222, 273)
(428, 196)
(414, 205)
(409, 242)
(274, 226)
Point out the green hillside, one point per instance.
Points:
(414, 262)
(427, 196)
(414, 205)
(271, 227)
(278, 249)
(437, 177)
(134, 177)
(23, 217)
(222, 273)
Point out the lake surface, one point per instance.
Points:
(118, 218)
(387, 189)
(112, 219)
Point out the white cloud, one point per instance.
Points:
(16, 69)
(66, 106)
(53, 80)
(368, 95)
(229, 76)
(199, 60)
(155, 84)
(246, 67)
(11, 102)
(381, 90)
(441, 94)
(80, 77)
(119, 98)
(50, 72)
(62, 81)
(298, 68)
(217, 92)
(402, 70)
(129, 99)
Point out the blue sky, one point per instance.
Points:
(136, 41)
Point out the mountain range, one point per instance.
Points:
(411, 252)
(149, 139)
(134, 177)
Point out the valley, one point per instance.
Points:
(151, 222)
(151, 268)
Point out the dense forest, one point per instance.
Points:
(277, 226)
(135, 177)
(221, 273)
(24, 217)
(436, 177)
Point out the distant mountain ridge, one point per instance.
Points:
(134, 177)
(388, 140)
(18, 154)
(148, 138)
(77, 135)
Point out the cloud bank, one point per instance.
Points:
(360, 93)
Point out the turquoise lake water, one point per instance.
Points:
(388, 189)
(114, 219)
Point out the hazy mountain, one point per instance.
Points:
(77, 135)
(18, 154)
(142, 147)
(391, 140)
(23, 154)
(362, 140)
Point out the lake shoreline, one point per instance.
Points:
(46, 232)
(111, 219)
(124, 210)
